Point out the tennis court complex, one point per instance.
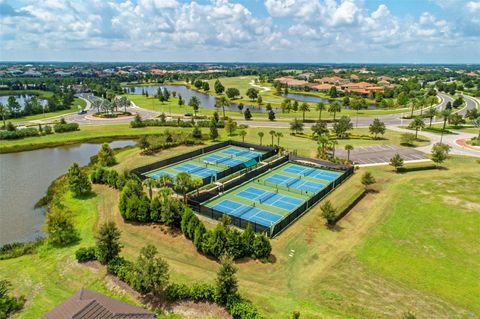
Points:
(210, 164)
(271, 197)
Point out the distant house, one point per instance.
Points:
(306, 75)
(291, 81)
(336, 80)
(87, 304)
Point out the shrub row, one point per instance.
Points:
(110, 177)
(239, 308)
(20, 133)
(65, 127)
(138, 123)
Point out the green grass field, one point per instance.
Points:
(409, 246)
(305, 146)
(242, 83)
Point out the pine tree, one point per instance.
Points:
(78, 181)
(108, 242)
(226, 283)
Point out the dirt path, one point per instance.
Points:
(263, 88)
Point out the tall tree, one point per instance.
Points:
(183, 182)
(304, 108)
(396, 161)
(334, 108)
(417, 124)
(59, 227)
(78, 181)
(242, 133)
(108, 244)
(320, 108)
(272, 134)
(252, 93)
(296, 126)
(342, 127)
(377, 127)
(213, 130)
(106, 156)
(279, 135)
(230, 126)
(431, 113)
(440, 153)
(195, 104)
(226, 283)
(219, 88)
(260, 135)
(348, 148)
(445, 114)
(149, 272)
(150, 184)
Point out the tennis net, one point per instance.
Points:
(308, 172)
(283, 187)
(266, 197)
(241, 210)
(196, 169)
(291, 181)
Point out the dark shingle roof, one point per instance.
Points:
(87, 304)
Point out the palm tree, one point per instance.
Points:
(222, 102)
(279, 134)
(183, 182)
(261, 134)
(150, 184)
(304, 108)
(3, 113)
(348, 148)
(445, 113)
(334, 108)
(320, 107)
(414, 103)
(124, 102)
(242, 134)
(323, 141)
(332, 145)
(164, 193)
(431, 113)
(272, 133)
(96, 103)
(165, 180)
(197, 183)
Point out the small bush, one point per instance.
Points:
(85, 254)
(177, 292)
(242, 309)
(119, 267)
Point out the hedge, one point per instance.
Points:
(68, 127)
(85, 254)
(19, 133)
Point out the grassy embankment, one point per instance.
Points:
(411, 246)
(108, 132)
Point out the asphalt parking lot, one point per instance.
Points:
(378, 154)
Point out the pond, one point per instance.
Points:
(207, 101)
(21, 99)
(25, 177)
(316, 99)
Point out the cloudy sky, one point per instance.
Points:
(378, 31)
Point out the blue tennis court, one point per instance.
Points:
(270, 198)
(241, 153)
(295, 182)
(246, 212)
(157, 174)
(312, 172)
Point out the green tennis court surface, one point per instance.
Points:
(269, 198)
(209, 164)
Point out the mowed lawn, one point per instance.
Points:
(409, 247)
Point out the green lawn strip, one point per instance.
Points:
(428, 239)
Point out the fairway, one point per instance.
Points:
(274, 196)
(210, 164)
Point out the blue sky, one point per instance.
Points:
(332, 31)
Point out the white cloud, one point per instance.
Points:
(473, 6)
(312, 28)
